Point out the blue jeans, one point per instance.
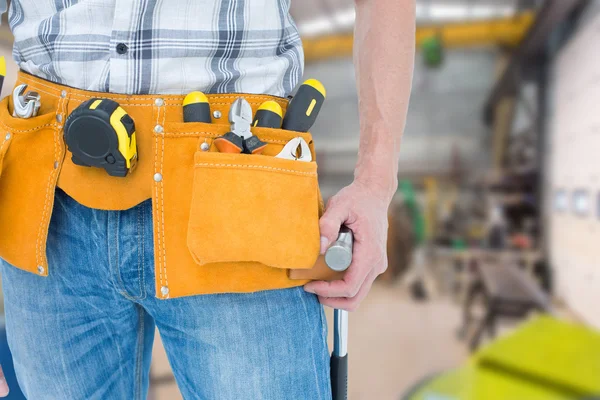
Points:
(86, 331)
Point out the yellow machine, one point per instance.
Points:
(545, 359)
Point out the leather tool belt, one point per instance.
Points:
(222, 222)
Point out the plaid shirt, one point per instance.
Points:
(159, 46)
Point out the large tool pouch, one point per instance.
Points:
(222, 222)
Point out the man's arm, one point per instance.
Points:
(384, 47)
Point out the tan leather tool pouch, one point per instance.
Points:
(222, 222)
(244, 211)
(266, 210)
(31, 151)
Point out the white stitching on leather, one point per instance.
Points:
(212, 135)
(155, 209)
(255, 167)
(162, 203)
(37, 128)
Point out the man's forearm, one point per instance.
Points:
(384, 47)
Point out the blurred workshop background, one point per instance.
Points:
(493, 286)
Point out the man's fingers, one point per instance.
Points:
(362, 266)
(3, 384)
(348, 286)
(351, 303)
(329, 224)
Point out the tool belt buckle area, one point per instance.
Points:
(31, 154)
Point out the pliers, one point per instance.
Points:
(296, 149)
(240, 138)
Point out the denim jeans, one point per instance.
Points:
(86, 331)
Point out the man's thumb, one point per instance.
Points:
(330, 224)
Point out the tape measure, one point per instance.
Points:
(101, 134)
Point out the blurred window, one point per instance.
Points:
(581, 202)
(561, 201)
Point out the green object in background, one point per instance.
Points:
(410, 200)
(546, 359)
(433, 51)
(459, 244)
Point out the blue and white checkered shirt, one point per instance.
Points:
(159, 46)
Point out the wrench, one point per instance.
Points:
(26, 105)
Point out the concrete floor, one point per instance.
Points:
(393, 343)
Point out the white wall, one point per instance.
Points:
(574, 164)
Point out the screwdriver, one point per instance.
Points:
(268, 115)
(2, 71)
(196, 108)
(305, 106)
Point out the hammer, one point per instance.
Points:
(339, 257)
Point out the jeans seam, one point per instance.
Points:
(299, 291)
(113, 250)
(120, 284)
(324, 328)
(267, 303)
(139, 361)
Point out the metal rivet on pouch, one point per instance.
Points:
(158, 177)
(217, 114)
(55, 164)
(159, 102)
(41, 270)
(59, 117)
(7, 137)
(63, 94)
(164, 291)
(158, 129)
(204, 146)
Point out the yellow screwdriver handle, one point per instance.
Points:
(196, 108)
(268, 115)
(305, 106)
(2, 71)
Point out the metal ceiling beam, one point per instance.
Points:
(506, 32)
(552, 13)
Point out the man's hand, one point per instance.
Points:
(3, 384)
(364, 211)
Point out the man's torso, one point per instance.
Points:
(159, 46)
